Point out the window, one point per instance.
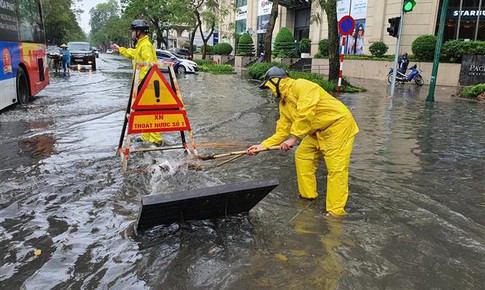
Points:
(240, 3)
(240, 26)
(462, 24)
(31, 28)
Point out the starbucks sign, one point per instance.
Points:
(472, 70)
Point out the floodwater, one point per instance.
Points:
(416, 206)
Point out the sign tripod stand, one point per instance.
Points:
(154, 106)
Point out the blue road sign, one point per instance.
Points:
(346, 25)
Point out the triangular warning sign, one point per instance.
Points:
(156, 93)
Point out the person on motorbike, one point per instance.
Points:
(403, 63)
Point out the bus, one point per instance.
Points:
(23, 65)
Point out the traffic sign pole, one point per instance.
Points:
(342, 51)
(345, 26)
(396, 54)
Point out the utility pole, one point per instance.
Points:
(437, 52)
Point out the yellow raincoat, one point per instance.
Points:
(143, 52)
(326, 128)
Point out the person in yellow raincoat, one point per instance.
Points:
(325, 127)
(143, 52)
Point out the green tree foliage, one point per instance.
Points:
(284, 44)
(378, 48)
(245, 47)
(330, 8)
(159, 13)
(423, 47)
(61, 25)
(107, 25)
(101, 13)
(222, 49)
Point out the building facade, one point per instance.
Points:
(465, 19)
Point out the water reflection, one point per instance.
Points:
(415, 205)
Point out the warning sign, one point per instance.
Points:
(156, 93)
(159, 121)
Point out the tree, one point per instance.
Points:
(101, 13)
(107, 25)
(200, 14)
(330, 8)
(60, 22)
(157, 12)
(269, 31)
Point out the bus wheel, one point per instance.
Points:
(23, 94)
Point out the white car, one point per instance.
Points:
(180, 65)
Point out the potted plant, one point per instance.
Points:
(305, 47)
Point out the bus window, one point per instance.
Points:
(8, 21)
(30, 21)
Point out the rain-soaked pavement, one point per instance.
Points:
(416, 208)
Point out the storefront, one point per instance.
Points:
(465, 20)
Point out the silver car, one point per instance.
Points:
(182, 65)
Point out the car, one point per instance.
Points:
(109, 51)
(180, 65)
(81, 53)
(182, 52)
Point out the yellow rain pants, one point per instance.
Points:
(337, 161)
(143, 52)
(326, 128)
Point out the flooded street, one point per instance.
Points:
(416, 205)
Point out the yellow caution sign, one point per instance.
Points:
(155, 93)
(158, 121)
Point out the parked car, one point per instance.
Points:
(81, 53)
(182, 52)
(180, 65)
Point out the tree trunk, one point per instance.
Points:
(192, 38)
(330, 7)
(269, 31)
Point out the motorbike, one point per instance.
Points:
(403, 78)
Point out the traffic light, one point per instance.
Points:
(408, 5)
(393, 29)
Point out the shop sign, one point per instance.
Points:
(472, 70)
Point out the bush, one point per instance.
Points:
(216, 68)
(200, 61)
(378, 48)
(423, 47)
(473, 91)
(284, 44)
(305, 45)
(245, 47)
(222, 49)
(324, 47)
(454, 50)
(258, 69)
(209, 49)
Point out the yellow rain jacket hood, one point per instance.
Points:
(305, 109)
(143, 52)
